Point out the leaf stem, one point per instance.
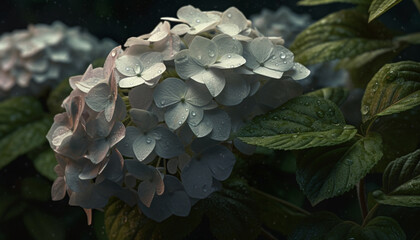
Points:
(370, 214)
(417, 3)
(370, 124)
(286, 203)
(267, 234)
(361, 194)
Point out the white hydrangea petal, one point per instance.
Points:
(297, 72)
(185, 66)
(130, 82)
(229, 28)
(261, 48)
(221, 125)
(158, 181)
(170, 47)
(251, 61)
(60, 134)
(180, 29)
(197, 179)
(180, 204)
(72, 177)
(281, 59)
(220, 161)
(98, 127)
(90, 170)
(98, 97)
(160, 32)
(141, 97)
(192, 15)
(197, 94)
(229, 61)
(196, 29)
(226, 44)
(128, 65)
(236, 90)
(114, 168)
(176, 115)
(97, 150)
(195, 116)
(117, 134)
(143, 119)
(146, 192)
(211, 105)
(233, 16)
(213, 79)
(172, 165)
(172, 19)
(203, 50)
(58, 189)
(143, 146)
(149, 59)
(268, 72)
(139, 170)
(169, 92)
(89, 83)
(154, 71)
(169, 145)
(203, 128)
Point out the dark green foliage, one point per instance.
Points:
(337, 95)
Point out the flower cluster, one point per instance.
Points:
(44, 55)
(186, 90)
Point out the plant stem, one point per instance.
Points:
(286, 203)
(267, 234)
(417, 3)
(361, 194)
(370, 214)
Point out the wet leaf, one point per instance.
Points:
(401, 182)
(327, 172)
(340, 35)
(325, 225)
(379, 7)
(302, 122)
(23, 140)
(394, 88)
(337, 95)
(319, 2)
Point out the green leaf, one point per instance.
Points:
(43, 226)
(56, 97)
(302, 122)
(231, 212)
(338, 95)
(10, 206)
(413, 38)
(17, 111)
(123, 222)
(327, 172)
(278, 215)
(394, 88)
(319, 2)
(401, 182)
(23, 139)
(340, 35)
(36, 189)
(99, 225)
(379, 7)
(326, 225)
(44, 163)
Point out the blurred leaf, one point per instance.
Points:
(15, 112)
(395, 88)
(337, 95)
(326, 225)
(394, 126)
(43, 226)
(56, 97)
(327, 172)
(44, 163)
(23, 139)
(36, 189)
(379, 7)
(99, 62)
(302, 122)
(319, 2)
(231, 212)
(99, 225)
(123, 222)
(340, 35)
(10, 206)
(413, 38)
(401, 182)
(276, 215)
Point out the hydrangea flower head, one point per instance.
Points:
(44, 55)
(155, 124)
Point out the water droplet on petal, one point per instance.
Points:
(229, 56)
(197, 20)
(193, 114)
(162, 102)
(282, 55)
(113, 53)
(148, 140)
(229, 15)
(180, 122)
(211, 53)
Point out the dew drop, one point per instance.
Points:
(348, 162)
(193, 114)
(375, 87)
(113, 54)
(229, 15)
(229, 56)
(162, 102)
(180, 123)
(282, 55)
(320, 114)
(197, 20)
(160, 71)
(285, 62)
(211, 53)
(148, 140)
